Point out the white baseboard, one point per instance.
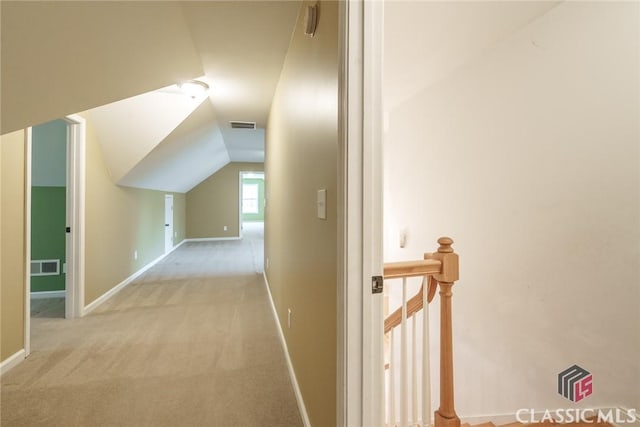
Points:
(296, 388)
(212, 239)
(47, 294)
(12, 361)
(111, 292)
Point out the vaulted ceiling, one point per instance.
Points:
(119, 62)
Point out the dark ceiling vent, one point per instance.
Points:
(243, 125)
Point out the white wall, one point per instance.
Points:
(528, 156)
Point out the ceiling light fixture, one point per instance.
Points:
(193, 88)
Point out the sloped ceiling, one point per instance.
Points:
(130, 129)
(189, 155)
(112, 59)
(452, 33)
(242, 45)
(60, 58)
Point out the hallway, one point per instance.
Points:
(191, 342)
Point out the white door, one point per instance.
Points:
(168, 222)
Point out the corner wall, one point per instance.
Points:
(301, 158)
(119, 222)
(12, 265)
(215, 203)
(528, 157)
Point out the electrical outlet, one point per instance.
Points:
(267, 263)
(225, 228)
(135, 254)
(175, 234)
(289, 318)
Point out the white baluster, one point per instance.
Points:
(392, 381)
(404, 362)
(414, 377)
(426, 355)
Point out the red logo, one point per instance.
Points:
(575, 383)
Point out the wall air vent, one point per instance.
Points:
(243, 125)
(45, 267)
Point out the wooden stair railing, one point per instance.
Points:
(441, 268)
(414, 305)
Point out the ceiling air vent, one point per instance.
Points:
(243, 125)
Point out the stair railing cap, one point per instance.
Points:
(445, 245)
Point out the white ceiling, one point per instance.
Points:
(130, 129)
(189, 155)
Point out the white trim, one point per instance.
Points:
(12, 361)
(241, 175)
(292, 373)
(48, 294)
(168, 244)
(372, 223)
(120, 286)
(240, 195)
(27, 243)
(212, 239)
(360, 377)
(76, 186)
(349, 393)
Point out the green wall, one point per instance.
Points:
(48, 200)
(48, 208)
(249, 217)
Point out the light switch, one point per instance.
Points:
(321, 203)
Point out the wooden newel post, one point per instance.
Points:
(446, 416)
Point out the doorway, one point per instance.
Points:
(252, 203)
(48, 219)
(251, 214)
(168, 223)
(55, 186)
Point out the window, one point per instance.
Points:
(250, 198)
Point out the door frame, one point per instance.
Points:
(360, 373)
(241, 175)
(75, 219)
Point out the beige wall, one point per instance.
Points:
(120, 221)
(301, 158)
(215, 202)
(12, 266)
(528, 156)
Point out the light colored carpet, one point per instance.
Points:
(192, 342)
(47, 307)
